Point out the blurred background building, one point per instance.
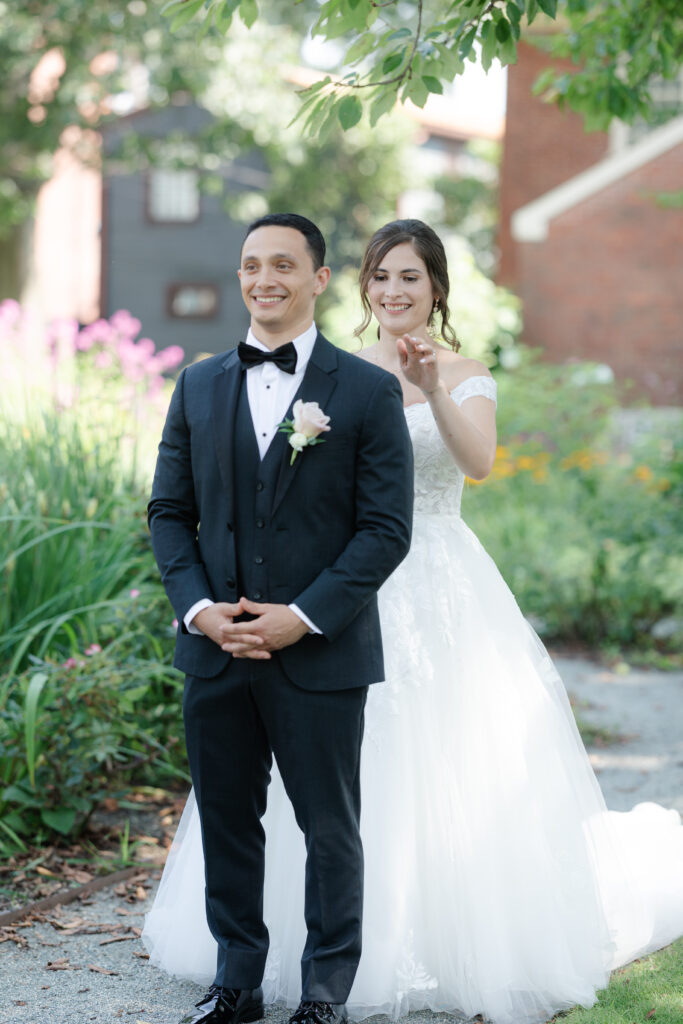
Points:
(587, 239)
(577, 224)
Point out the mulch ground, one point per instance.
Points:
(57, 872)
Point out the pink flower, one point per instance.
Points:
(169, 358)
(98, 332)
(309, 419)
(93, 649)
(69, 663)
(134, 593)
(125, 323)
(145, 348)
(10, 313)
(103, 360)
(63, 335)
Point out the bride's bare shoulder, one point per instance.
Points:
(456, 368)
(368, 353)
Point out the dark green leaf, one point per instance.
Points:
(393, 61)
(467, 42)
(433, 84)
(548, 7)
(16, 794)
(350, 112)
(400, 33)
(502, 30)
(488, 44)
(61, 820)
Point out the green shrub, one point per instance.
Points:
(73, 538)
(81, 416)
(94, 725)
(584, 526)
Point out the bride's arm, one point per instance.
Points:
(469, 432)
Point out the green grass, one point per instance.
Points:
(650, 989)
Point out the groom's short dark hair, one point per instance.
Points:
(312, 233)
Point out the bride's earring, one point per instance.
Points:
(432, 329)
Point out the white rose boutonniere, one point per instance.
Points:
(304, 428)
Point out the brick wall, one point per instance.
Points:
(542, 148)
(607, 283)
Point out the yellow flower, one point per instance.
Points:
(525, 462)
(643, 473)
(539, 475)
(582, 458)
(502, 452)
(503, 469)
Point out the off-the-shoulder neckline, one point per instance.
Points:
(475, 376)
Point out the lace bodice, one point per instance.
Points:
(438, 481)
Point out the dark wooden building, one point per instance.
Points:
(170, 251)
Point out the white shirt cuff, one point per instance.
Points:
(194, 610)
(312, 628)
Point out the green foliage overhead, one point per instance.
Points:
(62, 62)
(406, 49)
(146, 64)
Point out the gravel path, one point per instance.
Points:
(645, 706)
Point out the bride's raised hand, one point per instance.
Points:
(418, 363)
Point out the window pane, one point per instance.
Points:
(173, 195)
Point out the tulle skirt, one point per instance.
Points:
(496, 882)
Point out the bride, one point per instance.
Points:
(497, 883)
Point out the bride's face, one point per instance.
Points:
(400, 292)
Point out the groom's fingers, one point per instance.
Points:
(253, 607)
(241, 640)
(241, 629)
(253, 653)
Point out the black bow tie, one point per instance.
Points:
(284, 357)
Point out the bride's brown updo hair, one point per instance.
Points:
(429, 247)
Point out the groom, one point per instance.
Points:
(272, 545)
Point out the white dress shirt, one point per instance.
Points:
(270, 392)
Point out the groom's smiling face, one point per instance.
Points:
(279, 283)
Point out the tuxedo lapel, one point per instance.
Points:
(226, 389)
(317, 385)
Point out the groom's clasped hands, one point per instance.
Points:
(275, 626)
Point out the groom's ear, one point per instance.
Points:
(322, 279)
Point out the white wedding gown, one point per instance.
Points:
(496, 882)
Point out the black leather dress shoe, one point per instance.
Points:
(227, 1005)
(319, 1013)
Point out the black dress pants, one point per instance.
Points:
(234, 723)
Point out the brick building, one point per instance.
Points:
(585, 241)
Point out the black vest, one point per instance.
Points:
(255, 482)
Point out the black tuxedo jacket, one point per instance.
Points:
(340, 521)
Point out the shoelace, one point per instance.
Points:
(322, 1011)
(227, 994)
